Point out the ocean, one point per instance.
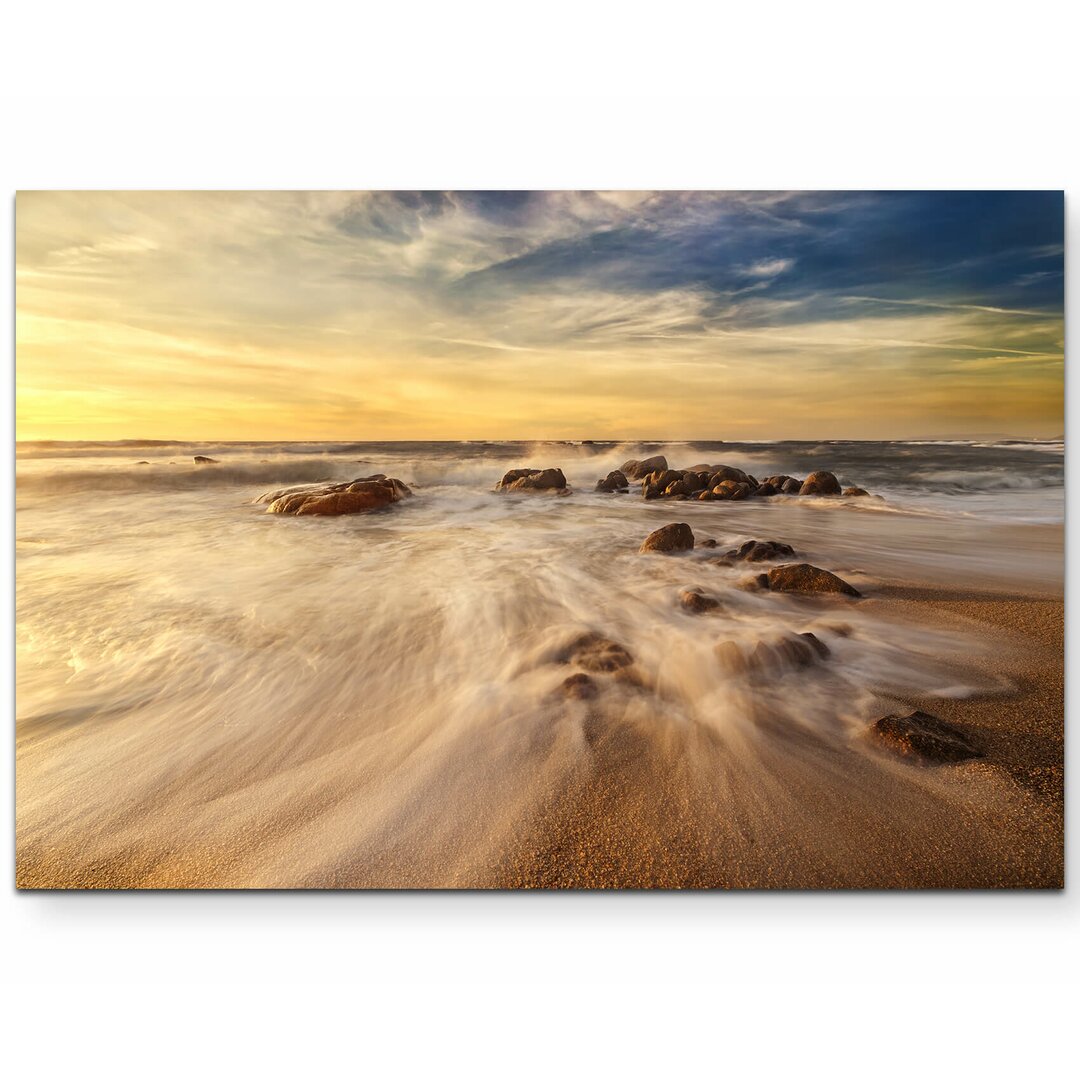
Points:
(208, 694)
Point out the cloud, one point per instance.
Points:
(525, 313)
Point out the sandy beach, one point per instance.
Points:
(663, 807)
(647, 816)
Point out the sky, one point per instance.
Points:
(578, 315)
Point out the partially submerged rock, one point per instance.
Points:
(533, 480)
(773, 658)
(638, 470)
(804, 578)
(697, 602)
(922, 737)
(579, 687)
(820, 483)
(350, 497)
(669, 538)
(199, 459)
(854, 491)
(614, 482)
(596, 653)
(761, 551)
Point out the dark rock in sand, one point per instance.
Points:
(697, 603)
(820, 483)
(142, 462)
(350, 497)
(200, 460)
(761, 551)
(675, 537)
(595, 653)
(855, 491)
(925, 738)
(613, 482)
(802, 577)
(579, 687)
(533, 480)
(638, 470)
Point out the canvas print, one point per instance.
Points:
(539, 539)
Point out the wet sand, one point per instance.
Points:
(677, 805)
(669, 811)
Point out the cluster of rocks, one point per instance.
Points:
(351, 497)
(708, 483)
(595, 655)
(546, 480)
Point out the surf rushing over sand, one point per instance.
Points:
(471, 687)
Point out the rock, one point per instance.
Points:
(731, 489)
(200, 460)
(855, 491)
(595, 653)
(684, 487)
(791, 487)
(532, 480)
(638, 470)
(351, 497)
(802, 577)
(761, 551)
(779, 481)
(579, 687)
(613, 482)
(766, 489)
(925, 738)
(820, 483)
(675, 537)
(720, 473)
(710, 543)
(661, 478)
(142, 462)
(780, 656)
(697, 603)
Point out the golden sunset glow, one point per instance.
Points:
(556, 315)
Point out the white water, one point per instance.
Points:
(211, 694)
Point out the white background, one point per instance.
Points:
(777, 95)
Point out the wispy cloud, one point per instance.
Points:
(499, 313)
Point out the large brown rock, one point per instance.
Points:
(350, 497)
(802, 577)
(719, 473)
(638, 470)
(613, 482)
(820, 483)
(922, 737)
(675, 537)
(533, 480)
